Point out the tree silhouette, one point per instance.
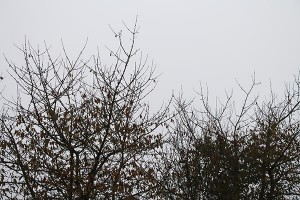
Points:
(79, 129)
(224, 154)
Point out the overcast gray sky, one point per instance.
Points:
(212, 41)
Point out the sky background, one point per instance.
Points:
(215, 42)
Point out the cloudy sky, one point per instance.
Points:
(215, 42)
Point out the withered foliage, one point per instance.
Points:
(79, 129)
(83, 130)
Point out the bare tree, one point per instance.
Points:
(79, 129)
(225, 154)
